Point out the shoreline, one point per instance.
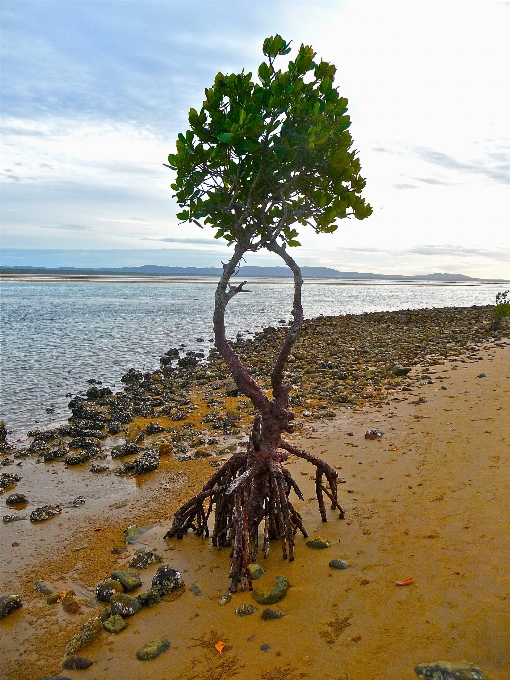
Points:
(383, 499)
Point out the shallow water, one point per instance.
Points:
(58, 334)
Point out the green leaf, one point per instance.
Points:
(184, 215)
(224, 138)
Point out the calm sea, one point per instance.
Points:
(56, 335)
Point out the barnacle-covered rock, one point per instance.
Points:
(46, 512)
(8, 479)
(246, 609)
(144, 558)
(167, 582)
(114, 624)
(124, 605)
(152, 649)
(89, 632)
(16, 499)
(271, 614)
(447, 670)
(108, 587)
(128, 578)
(9, 604)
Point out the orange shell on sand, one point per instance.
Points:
(405, 582)
(220, 646)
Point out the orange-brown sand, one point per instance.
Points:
(429, 501)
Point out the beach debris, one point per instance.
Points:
(98, 529)
(318, 543)
(44, 513)
(220, 646)
(70, 603)
(405, 582)
(225, 599)
(153, 649)
(89, 632)
(114, 624)
(8, 604)
(124, 605)
(373, 434)
(276, 594)
(448, 670)
(271, 614)
(245, 609)
(76, 663)
(338, 564)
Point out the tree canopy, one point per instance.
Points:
(263, 157)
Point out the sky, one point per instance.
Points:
(94, 93)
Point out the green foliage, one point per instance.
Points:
(502, 308)
(261, 157)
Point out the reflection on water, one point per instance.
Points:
(56, 335)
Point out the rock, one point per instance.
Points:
(133, 533)
(6, 519)
(128, 578)
(225, 599)
(165, 448)
(154, 428)
(108, 587)
(89, 632)
(96, 468)
(43, 588)
(79, 458)
(399, 370)
(76, 663)
(134, 434)
(114, 427)
(44, 513)
(8, 479)
(338, 564)
(124, 605)
(481, 375)
(271, 614)
(256, 571)
(318, 543)
(114, 624)
(167, 582)
(153, 649)
(55, 677)
(447, 670)
(245, 609)
(3, 431)
(373, 434)
(9, 604)
(144, 558)
(278, 592)
(16, 499)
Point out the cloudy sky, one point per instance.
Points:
(95, 92)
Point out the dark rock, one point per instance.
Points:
(76, 663)
(124, 605)
(9, 604)
(481, 375)
(167, 581)
(78, 458)
(96, 468)
(399, 370)
(55, 677)
(8, 479)
(447, 670)
(278, 592)
(108, 587)
(114, 427)
(114, 624)
(3, 431)
(338, 564)
(84, 443)
(132, 377)
(126, 450)
(153, 649)
(154, 428)
(128, 578)
(246, 609)
(271, 614)
(55, 454)
(7, 519)
(46, 512)
(98, 392)
(79, 500)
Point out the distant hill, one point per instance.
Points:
(245, 272)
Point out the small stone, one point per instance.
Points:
(278, 592)
(481, 375)
(399, 370)
(338, 564)
(55, 677)
(225, 599)
(114, 624)
(256, 571)
(144, 558)
(76, 663)
(133, 533)
(318, 543)
(16, 499)
(246, 609)
(44, 513)
(42, 588)
(128, 578)
(447, 670)
(153, 649)
(167, 582)
(9, 604)
(70, 602)
(124, 605)
(271, 614)
(89, 632)
(108, 587)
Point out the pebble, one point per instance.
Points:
(447, 670)
(124, 605)
(153, 649)
(338, 564)
(144, 558)
(271, 614)
(44, 513)
(16, 499)
(42, 587)
(318, 543)
(246, 609)
(55, 677)
(76, 663)
(114, 624)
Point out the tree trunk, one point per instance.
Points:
(253, 487)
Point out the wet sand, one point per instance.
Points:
(429, 501)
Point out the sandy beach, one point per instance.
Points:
(428, 501)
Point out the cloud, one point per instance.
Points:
(202, 241)
(405, 186)
(461, 251)
(432, 180)
(73, 227)
(496, 165)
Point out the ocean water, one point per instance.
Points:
(56, 335)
